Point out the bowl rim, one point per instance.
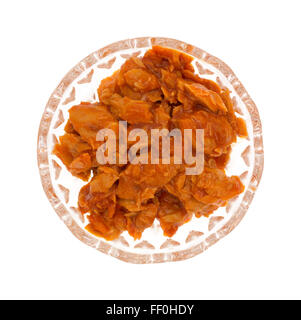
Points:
(43, 161)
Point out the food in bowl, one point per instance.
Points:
(157, 91)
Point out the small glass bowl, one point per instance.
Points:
(61, 188)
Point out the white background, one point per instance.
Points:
(41, 40)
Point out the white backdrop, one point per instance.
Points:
(40, 42)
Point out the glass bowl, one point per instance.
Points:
(61, 188)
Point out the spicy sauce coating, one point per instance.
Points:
(159, 90)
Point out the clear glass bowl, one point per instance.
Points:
(61, 188)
